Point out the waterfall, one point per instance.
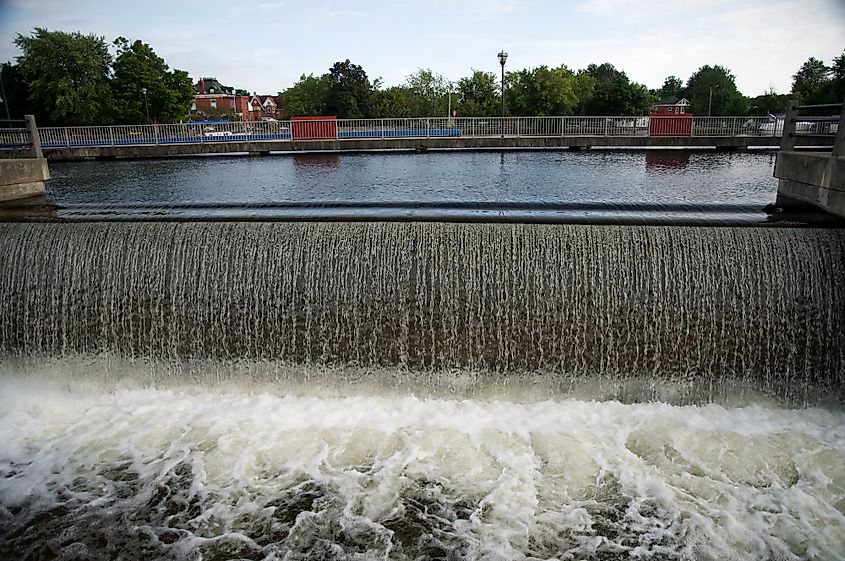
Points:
(703, 308)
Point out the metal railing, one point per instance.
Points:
(820, 127)
(20, 136)
(392, 128)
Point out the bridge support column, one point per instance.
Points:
(22, 178)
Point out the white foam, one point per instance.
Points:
(566, 476)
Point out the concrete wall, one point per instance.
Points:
(811, 178)
(409, 144)
(22, 178)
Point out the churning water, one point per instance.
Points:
(421, 391)
(417, 391)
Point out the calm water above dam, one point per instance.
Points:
(601, 176)
(423, 390)
(657, 186)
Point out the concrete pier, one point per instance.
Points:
(24, 177)
(812, 178)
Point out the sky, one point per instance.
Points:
(266, 45)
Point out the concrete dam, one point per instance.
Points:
(684, 314)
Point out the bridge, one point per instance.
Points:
(419, 134)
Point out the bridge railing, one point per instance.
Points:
(20, 136)
(828, 130)
(393, 128)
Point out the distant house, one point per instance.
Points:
(213, 99)
(266, 106)
(672, 105)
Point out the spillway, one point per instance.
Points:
(367, 390)
(703, 309)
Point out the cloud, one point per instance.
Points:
(271, 6)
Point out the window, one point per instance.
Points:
(213, 103)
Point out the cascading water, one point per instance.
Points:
(417, 391)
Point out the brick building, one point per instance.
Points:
(214, 100)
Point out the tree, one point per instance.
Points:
(16, 97)
(812, 81)
(615, 94)
(541, 91)
(718, 82)
(429, 91)
(769, 102)
(308, 96)
(672, 87)
(168, 93)
(478, 95)
(397, 101)
(349, 91)
(837, 70)
(68, 76)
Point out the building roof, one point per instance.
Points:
(672, 100)
(210, 85)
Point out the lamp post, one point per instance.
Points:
(710, 102)
(503, 58)
(146, 105)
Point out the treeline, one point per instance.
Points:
(600, 89)
(74, 79)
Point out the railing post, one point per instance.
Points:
(839, 143)
(518, 119)
(382, 128)
(787, 141)
(606, 126)
(155, 129)
(34, 137)
(111, 135)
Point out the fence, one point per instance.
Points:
(20, 136)
(828, 127)
(391, 128)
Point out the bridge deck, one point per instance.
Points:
(232, 146)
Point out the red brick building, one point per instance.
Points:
(214, 100)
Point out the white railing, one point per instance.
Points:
(423, 127)
(14, 138)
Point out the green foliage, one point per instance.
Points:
(429, 92)
(308, 96)
(672, 87)
(349, 91)
(769, 102)
(615, 94)
(816, 82)
(168, 93)
(16, 90)
(812, 81)
(397, 101)
(478, 95)
(720, 83)
(541, 91)
(837, 82)
(68, 76)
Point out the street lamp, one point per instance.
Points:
(710, 103)
(503, 58)
(146, 105)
